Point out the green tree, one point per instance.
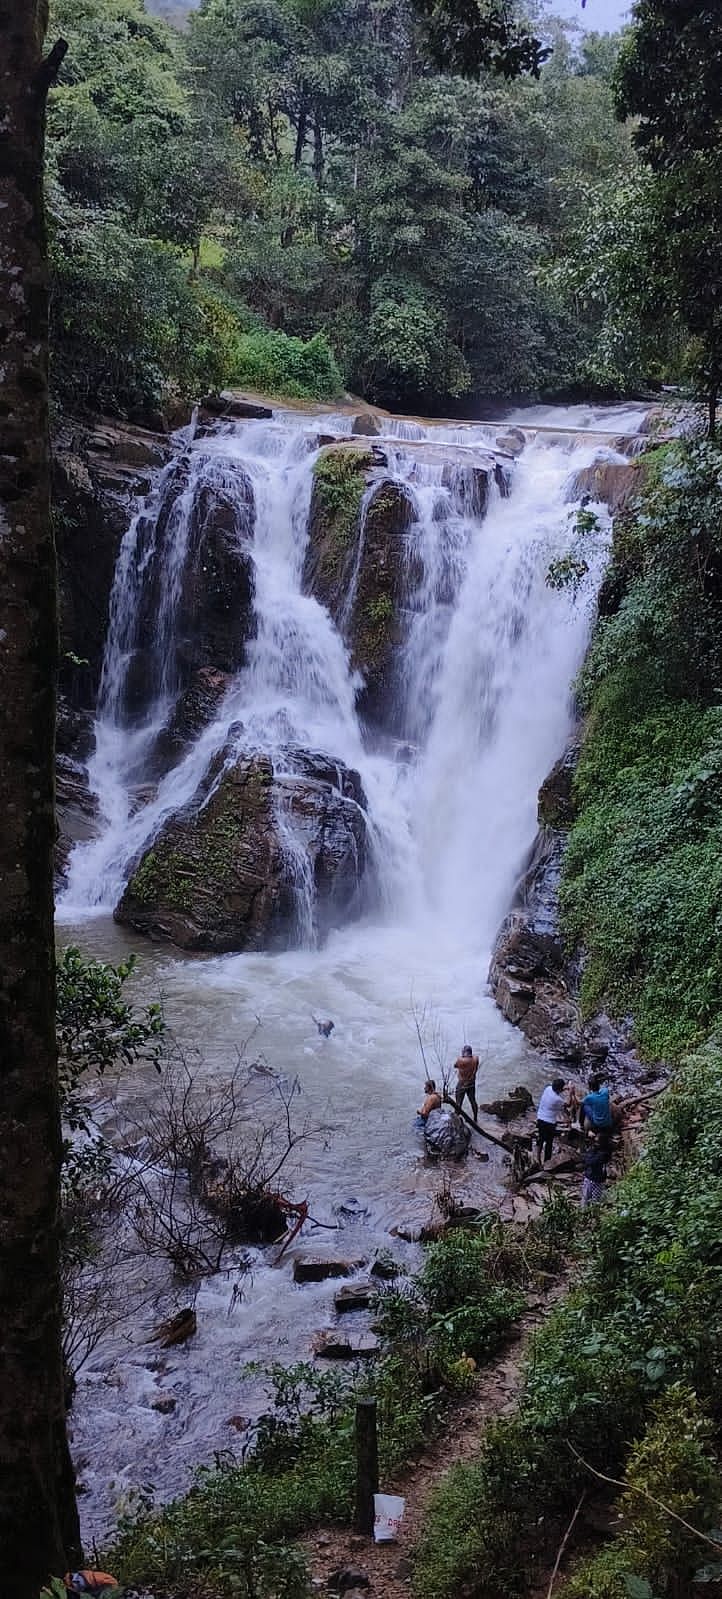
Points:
(669, 76)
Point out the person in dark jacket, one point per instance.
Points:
(595, 1170)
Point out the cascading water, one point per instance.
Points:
(482, 675)
(482, 707)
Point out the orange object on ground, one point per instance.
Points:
(94, 1583)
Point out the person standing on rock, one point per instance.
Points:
(551, 1106)
(466, 1068)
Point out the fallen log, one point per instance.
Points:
(476, 1127)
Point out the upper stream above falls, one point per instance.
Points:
(334, 680)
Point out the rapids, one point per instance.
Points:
(483, 708)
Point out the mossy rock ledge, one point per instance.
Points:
(362, 566)
(220, 877)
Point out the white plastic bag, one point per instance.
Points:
(388, 1515)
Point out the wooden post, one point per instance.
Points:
(367, 1465)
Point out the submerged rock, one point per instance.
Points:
(317, 1268)
(221, 874)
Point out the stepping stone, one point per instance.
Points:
(358, 1296)
(316, 1268)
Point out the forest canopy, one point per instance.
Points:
(295, 195)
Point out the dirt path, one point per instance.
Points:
(388, 1566)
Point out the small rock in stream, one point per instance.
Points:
(316, 1268)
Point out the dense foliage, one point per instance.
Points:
(624, 1378)
(649, 783)
(298, 195)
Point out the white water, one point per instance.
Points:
(484, 702)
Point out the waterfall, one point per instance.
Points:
(486, 657)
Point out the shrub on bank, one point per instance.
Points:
(276, 363)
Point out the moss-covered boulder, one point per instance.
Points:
(225, 872)
(341, 477)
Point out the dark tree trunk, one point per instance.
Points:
(38, 1519)
(712, 412)
(300, 135)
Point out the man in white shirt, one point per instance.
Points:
(551, 1106)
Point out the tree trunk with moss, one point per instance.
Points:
(38, 1519)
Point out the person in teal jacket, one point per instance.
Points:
(595, 1110)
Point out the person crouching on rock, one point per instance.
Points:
(551, 1106)
(466, 1068)
(595, 1110)
(431, 1102)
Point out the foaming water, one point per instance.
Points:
(483, 706)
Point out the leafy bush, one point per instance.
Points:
(279, 364)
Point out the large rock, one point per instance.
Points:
(231, 404)
(613, 483)
(388, 572)
(222, 873)
(341, 476)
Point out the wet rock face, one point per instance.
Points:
(220, 875)
(360, 566)
(76, 810)
(216, 611)
(615, 484)
(387, 574)
(214, 617)
(98, 472)
(529, 973)
(533, 977)
(341, 476)
(193, 711)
